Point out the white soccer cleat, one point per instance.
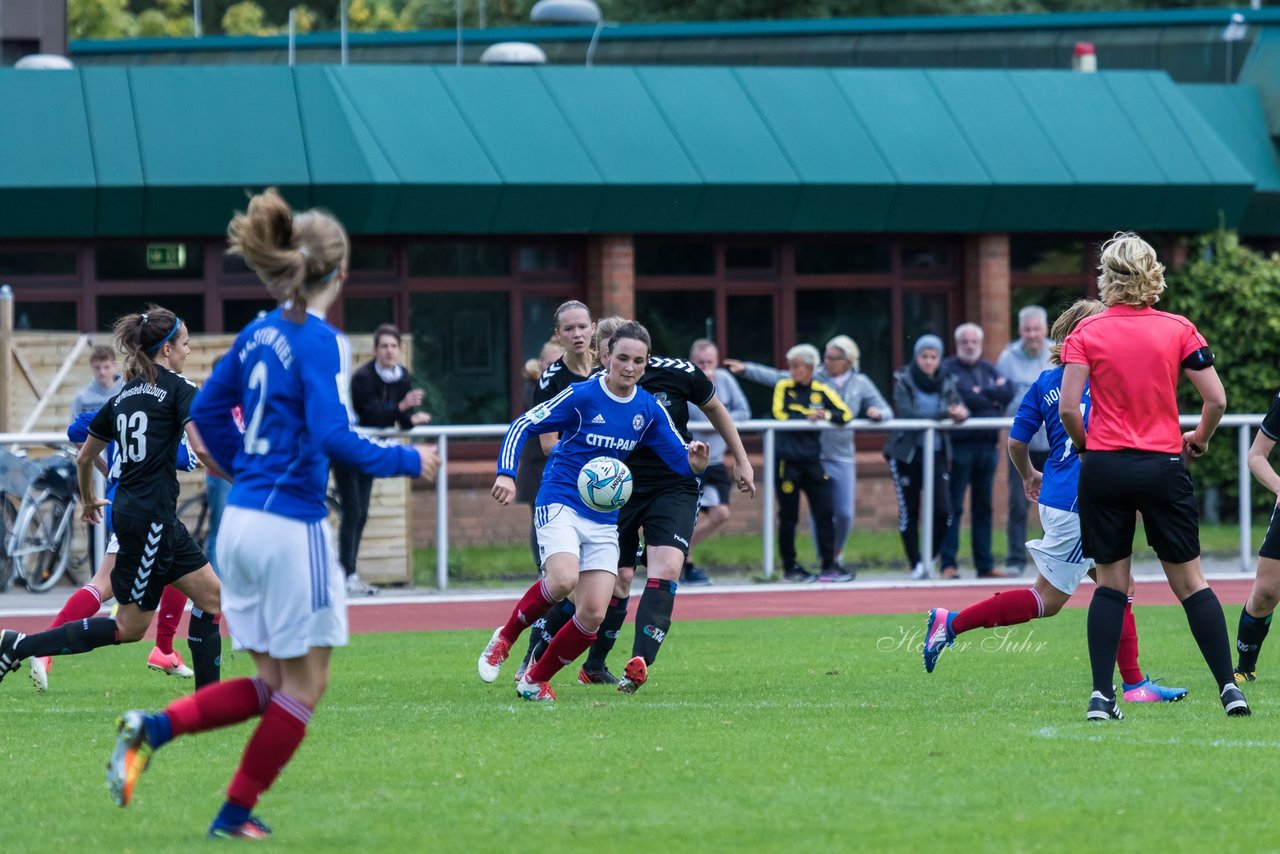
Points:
(538, 692)
(495, 652)
(40, 673)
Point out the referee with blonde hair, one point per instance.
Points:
(1132, 357)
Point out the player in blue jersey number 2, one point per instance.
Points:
(283, 591)
(610, 416)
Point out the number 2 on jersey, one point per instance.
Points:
(258, 382)
(133, 436)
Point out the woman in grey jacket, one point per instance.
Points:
(921, 390)
(840, 362)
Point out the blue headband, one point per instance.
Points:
(156, 346)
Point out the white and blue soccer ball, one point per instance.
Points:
(605, 484)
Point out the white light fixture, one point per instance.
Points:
(571, 12)
(513, 53)
(44, 62)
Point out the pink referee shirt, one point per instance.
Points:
(1135, 358)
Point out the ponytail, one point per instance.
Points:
(295, 255)
(141, 337)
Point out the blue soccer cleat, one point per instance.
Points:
(937, 636)
(1148, 691)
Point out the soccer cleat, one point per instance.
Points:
(1103, 708)
(130, 758)
(40, 673)
(937, 636)
(251, 829)
(796, 572)
(357, 587)
(171, 663)
(836, 575)
(539, 692)
(1148, 691)
(1233, 701)
(495, 652)
(9, 659)
(920, 571)
(694, 576)
(1246, 676)
(635, 674)
(597, 677)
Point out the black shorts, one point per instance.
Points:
(152, 554)
(715, 487)
(1271, 542)
(1116, 485)
(667, 513)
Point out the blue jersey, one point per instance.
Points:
(592, 422)
(1062, 469)
(290, 381)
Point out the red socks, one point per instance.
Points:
(84, 603)
(535, 602)
(283, 726)
(218, 705)
(569, 643)
(172, 603)
(1127, 655)
(1003, 609)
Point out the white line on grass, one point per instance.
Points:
(1129, 738)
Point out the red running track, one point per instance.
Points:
(783, 602)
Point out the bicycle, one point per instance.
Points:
(194, 514)
(38, 545)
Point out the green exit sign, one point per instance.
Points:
(166, 256)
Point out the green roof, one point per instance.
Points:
(1235, 115)
(473, 150)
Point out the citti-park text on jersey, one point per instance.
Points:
(269, 336)
(595, 440)
(146, 388)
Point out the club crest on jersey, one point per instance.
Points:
(539, 414)
(637, 423)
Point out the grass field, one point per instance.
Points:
(765, 735)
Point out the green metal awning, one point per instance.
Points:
(107, 151)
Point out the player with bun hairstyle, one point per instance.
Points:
(284, 593)
(1132, 357)
(147, 419)
(609, 416)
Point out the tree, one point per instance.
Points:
(99, 19)
(245, 18)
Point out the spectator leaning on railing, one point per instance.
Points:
(985, 393)
(801, 397)
(1021, 363)
(840, 370)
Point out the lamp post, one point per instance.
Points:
(571, 12)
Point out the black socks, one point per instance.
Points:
(205, 642)
(1249, 637)
(653, 618)
(1105, 623)
(1209, 628)
(607, 635)
(70, 638)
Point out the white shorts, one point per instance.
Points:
(562, 531)
(1059, 554)
(283, 591)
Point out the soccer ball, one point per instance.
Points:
(605, 484)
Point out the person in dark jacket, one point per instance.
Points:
(922, 390)
(801, 397)
(986, 394)
(382, 395)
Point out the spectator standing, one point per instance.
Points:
(713, 502)
(106, 383)
(800, 396)
(534, 459)
(922, 390)
(985, 394)
(841, 362)
(1021, 363)
(1132, 357)
(382, 395)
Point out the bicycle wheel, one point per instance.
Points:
(194, 513)
(43, 543)
(8, 521)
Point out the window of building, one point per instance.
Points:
(847, 257)
(372, 258)
(544, 259)
(674, 258)
(462, 355)
(750, 260)
(1046, 255)
(149, 262)
(864, 315)
(749, 336)
(459, 260)
(15, 263)
(239, 313)
(675, 319)
(365, 314)
(189, 307)
(52, 316)
(1054, 300)
(925, 257)
(924, 313)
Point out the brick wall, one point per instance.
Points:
(611, 276)
(986, 290)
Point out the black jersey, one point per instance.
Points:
(146, 421)
(1271, 422)
(675, 383)
(555, 379)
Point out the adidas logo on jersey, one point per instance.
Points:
(599, 419)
